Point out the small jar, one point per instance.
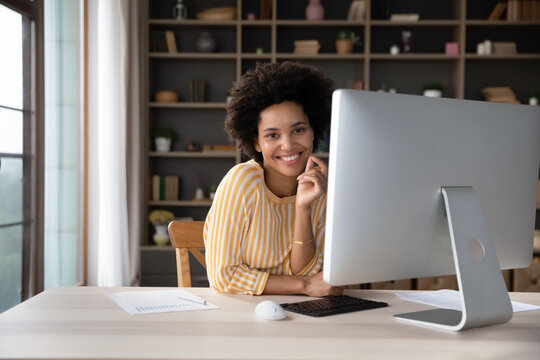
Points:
(206, 43)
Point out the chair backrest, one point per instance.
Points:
(186, 237)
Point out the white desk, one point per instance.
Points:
(82, 322)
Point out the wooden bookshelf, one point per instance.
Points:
(463, 75)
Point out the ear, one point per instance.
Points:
(256, 144)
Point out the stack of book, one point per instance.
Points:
(165, 187)
(163, 41)
(501, 94)
(405, 17)
(196, 90)
(307, 47)
(523, 10)
(504, 48)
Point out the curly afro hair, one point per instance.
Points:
(274, 83)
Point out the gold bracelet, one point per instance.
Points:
(302, 242)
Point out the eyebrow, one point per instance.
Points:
(298, 123)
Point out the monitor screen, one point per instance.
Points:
(390, 157)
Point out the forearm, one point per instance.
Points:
(303, 247)
(285, 285)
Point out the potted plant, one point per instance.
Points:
(433, 90)
(212, 191)
(163, 138)
(161, 219)
(345, 41)
(533, 99)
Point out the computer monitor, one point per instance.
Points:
(399, 164)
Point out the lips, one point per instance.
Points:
(290, 158)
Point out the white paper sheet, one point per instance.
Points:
(449, 299)
(159, 301)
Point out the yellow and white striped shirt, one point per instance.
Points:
(248, 232)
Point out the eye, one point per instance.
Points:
(299, 130)
(271, 136)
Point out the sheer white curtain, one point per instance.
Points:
(114, 143)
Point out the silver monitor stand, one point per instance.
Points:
(484, 298)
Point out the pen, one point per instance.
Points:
(200, 302)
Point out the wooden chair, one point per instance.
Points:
(186, 237)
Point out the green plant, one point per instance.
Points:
(160, 217)
(434, 86)
(164, 132)
(349, 35)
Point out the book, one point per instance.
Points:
(155, 187)
(266, 9)
(306, 47)
(158, 42)
(171, 41)
(504, 48)
(196, 90)
(357, 10)
(502, 94)
(497, 11)
(171, 187)
(158, 187)
(404, 17)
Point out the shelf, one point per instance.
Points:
(319, 23)
(256, 22)
(188, 105)
(198, 56)
(413, 56)
(322, 56)
(183, 203)
(156, 248)
(252, 56)
(194, 154)
(191, 22)
(419, 23)
(501, 23)
(503, 57)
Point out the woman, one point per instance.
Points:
(264, 233)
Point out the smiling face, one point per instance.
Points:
(285, 140)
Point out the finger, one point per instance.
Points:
(315, 177)
(310, 164)
(319, 175)
(311, 177)
(312, 171)
(321, 163)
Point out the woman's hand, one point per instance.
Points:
(315, 286)
(312, 183)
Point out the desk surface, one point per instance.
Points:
(82, 322)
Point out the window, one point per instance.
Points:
(20, 152)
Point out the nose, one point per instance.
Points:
(286, 142)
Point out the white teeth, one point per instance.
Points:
(291, 158)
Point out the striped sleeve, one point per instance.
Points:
(319, 224)
(225, 233)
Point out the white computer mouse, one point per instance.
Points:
(270, 310)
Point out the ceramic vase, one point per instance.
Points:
(314, 10)
(199, 194)
(161, 236)
(206, 43)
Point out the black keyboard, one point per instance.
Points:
(331, 305)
